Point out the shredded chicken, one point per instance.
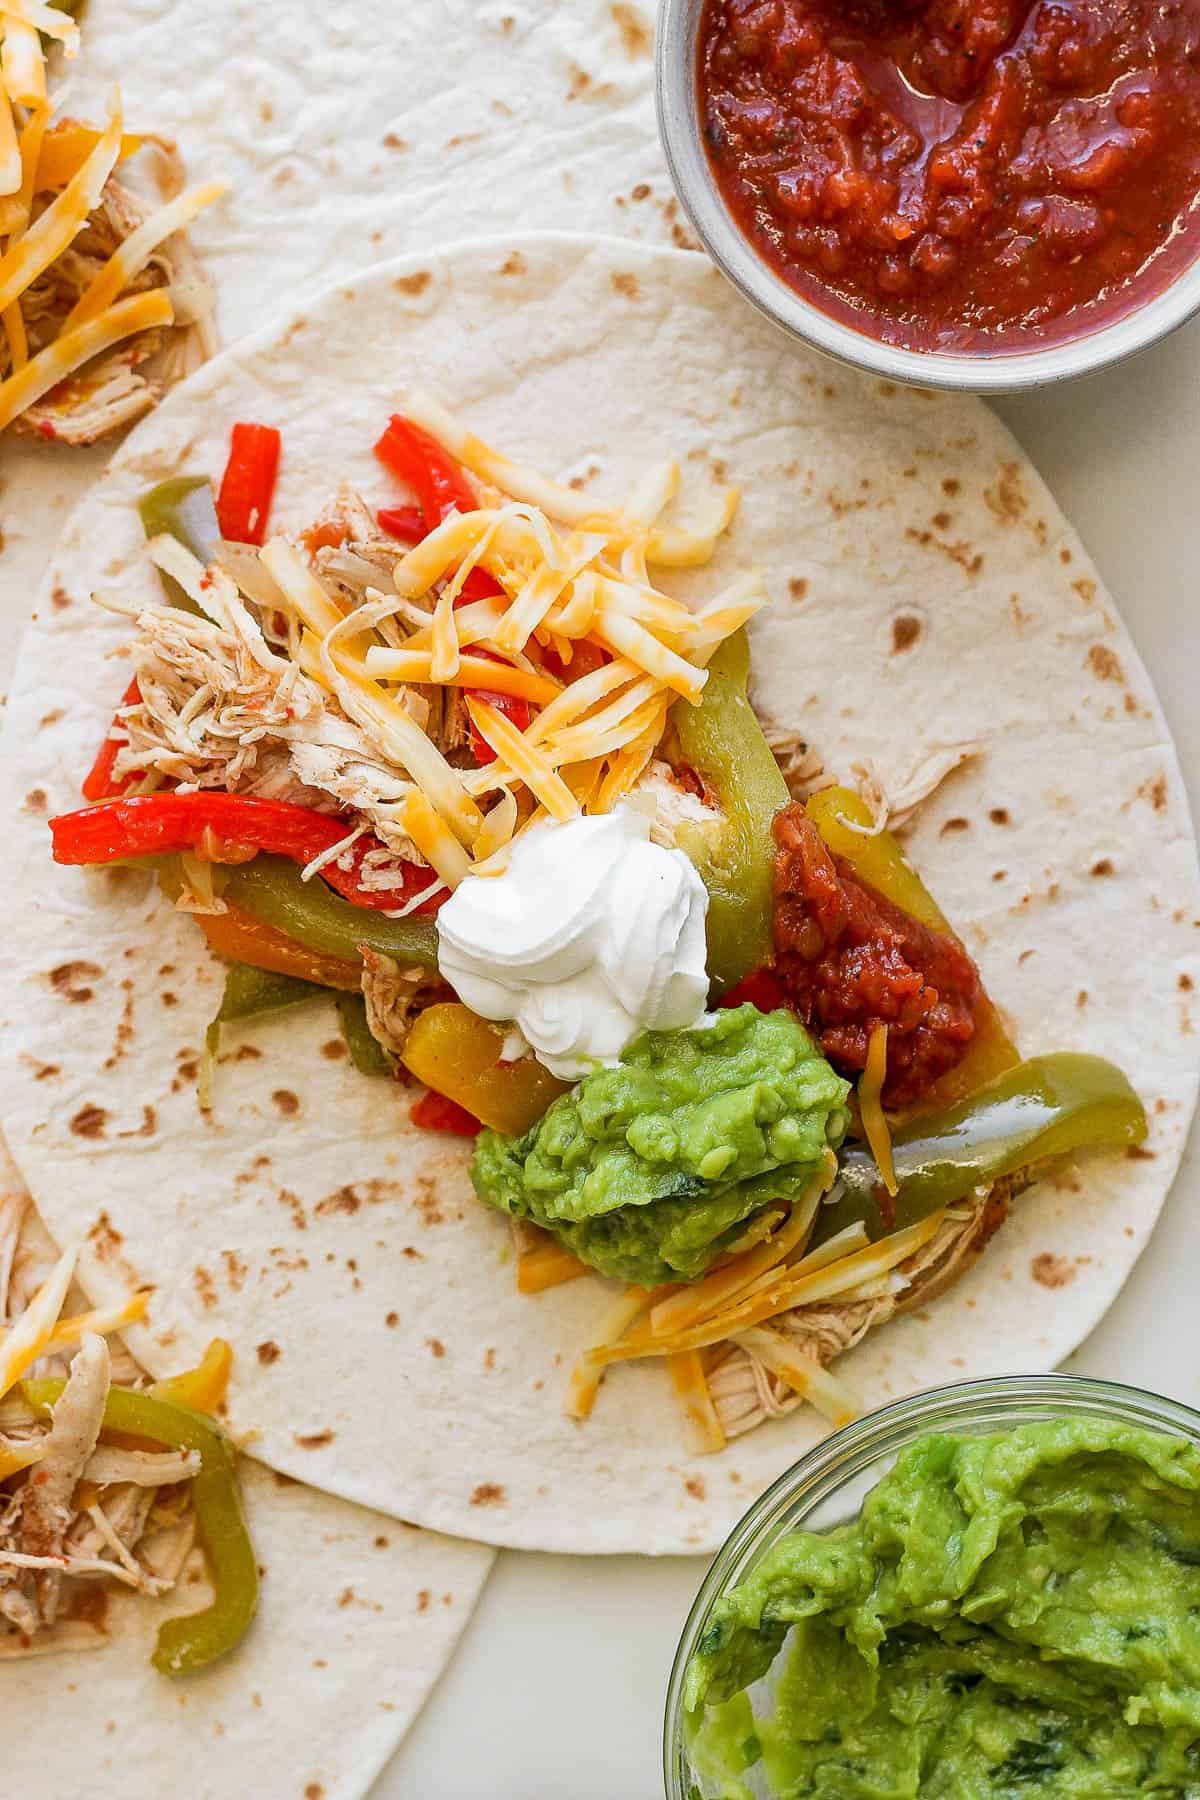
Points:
(394, 996)
(799, 764)
(47, 1495)
(118, 388)
(80, 1512)
(745, 1393)
(895, 802)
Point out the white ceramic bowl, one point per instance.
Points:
(679, 124)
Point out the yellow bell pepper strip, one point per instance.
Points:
(239, 938)
(192, 1643)
(203, 1388)
(366, 1052)
(183, 508)
(722, 741)
(458, 1054)
(880, 864)
(1047, 1107)
(67, 146)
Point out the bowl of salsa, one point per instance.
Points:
(986, 1589)
(981, 194)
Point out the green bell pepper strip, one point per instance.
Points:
(1047, 1107)
(250, 992)
(723, 741)
(270, 889)
(366, 1052)
(183, 508)
(187, 1644)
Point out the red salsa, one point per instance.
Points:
(849, 960)
(960, 174)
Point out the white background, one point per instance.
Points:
(558, 1686)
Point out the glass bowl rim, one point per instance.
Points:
(855, 1447)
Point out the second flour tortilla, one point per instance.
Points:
(926, 592)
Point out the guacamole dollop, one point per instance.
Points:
(1009, 1613)
(646, 1169)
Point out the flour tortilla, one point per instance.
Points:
(926, 591)
(356, 1619)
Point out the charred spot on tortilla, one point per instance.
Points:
(35, 800)
(1105, 866)
(696, 1488)
(625, 284)
(999, 815)
(414, 284)
(314, 1440)
(435, 1346)
(70, 980)
(956, 824)
(489, 1493)
(1052, 1271)
(286, 1102)
(334, 1050)
(1104, 663)
(59, 597)
(90, 1121)
(635, 29)
(392, 1320)
(798, 587)
(268, 1352)
(906, 630)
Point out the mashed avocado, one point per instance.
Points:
(1009, 1614)
(645, 1169)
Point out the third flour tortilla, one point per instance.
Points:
(926, 592)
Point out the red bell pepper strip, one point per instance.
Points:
(519, 711)
(762, 988)
(248, 484)
(98, 783)
(435, 478)
(164, 824)
(433, 1112)
(404, 522)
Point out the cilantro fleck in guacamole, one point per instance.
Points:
(646, 1169)
(1008, 1615)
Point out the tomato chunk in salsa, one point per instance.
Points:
(849, 960)
(960, 174)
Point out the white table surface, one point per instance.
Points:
(557, 1690)
(558, 1686)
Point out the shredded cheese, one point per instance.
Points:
(526, 760)
(46, 239)
(625, 636)
(705, 1433)
(436, 842)
(22, 64)
(128, 261)
(588, 1372)
(46, 19)
(27, 1339)
(803, 1373)
(793, 1288)
(10, 152)
(718, 1289)
(870, 1107)
(101, 1320)
(472, 672)
(545, 1266)
(144, 312)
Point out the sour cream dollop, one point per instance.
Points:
(592, 934)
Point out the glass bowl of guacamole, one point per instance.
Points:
(991, 1589)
